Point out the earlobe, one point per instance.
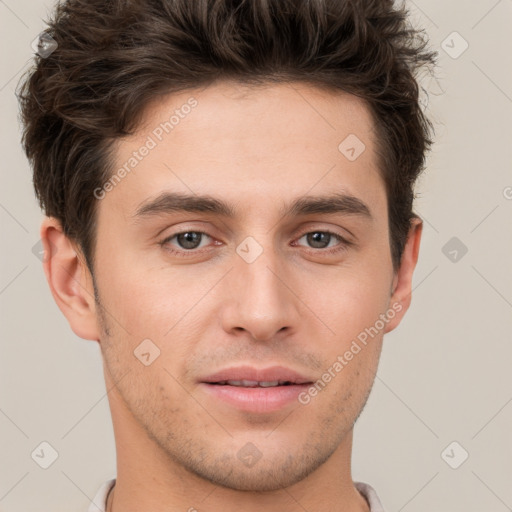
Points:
(402, 281)
(69, 279)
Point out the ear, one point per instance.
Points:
(402, 281)
(70, 280)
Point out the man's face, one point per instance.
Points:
(261, 288)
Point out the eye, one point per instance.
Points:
(321, 240)
(187, 241)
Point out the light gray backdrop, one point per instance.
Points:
(444, 386)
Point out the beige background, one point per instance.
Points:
(445, 374)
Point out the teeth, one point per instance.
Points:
(269, 384)
(245, 383)
(253, 383)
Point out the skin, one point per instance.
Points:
(258, 149)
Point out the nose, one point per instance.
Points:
(262, 301)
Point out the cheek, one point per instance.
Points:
(349, 301)
(151, 311)
(139, 300)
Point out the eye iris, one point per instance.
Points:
(315, 238)
(189, 240)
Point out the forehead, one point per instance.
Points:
(246, 110)
(251, 142)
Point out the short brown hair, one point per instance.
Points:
(112, 58)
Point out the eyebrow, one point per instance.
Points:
(169, 202)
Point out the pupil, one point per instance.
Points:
(189, 240)
(315, 238)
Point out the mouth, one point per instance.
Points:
(255, 390)
(253, 383)
(250, 376)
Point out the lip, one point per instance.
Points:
(279, 373)
(256, 399)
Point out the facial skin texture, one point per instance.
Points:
(296, 306)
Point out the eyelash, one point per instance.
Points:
(342, 246)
